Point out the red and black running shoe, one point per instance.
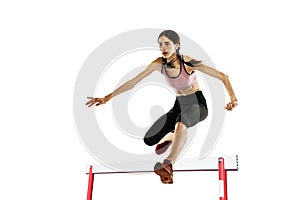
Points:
(165, 171)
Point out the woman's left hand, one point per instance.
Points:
(231, 105)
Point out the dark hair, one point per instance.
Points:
(173, 36)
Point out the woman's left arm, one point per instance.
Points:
(217, 74)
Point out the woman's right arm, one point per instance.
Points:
(155, 65)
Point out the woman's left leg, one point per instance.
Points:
(188, 118)
(184, 120)
(165, 169)
(178, 142)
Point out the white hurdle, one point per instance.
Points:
(220, 164)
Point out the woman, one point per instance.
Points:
(189, 107)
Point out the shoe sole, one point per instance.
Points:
(162, 148)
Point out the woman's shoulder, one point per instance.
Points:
(187, 58)
(191, 61)
(156, 64)
(157, 60)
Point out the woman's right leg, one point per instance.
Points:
(164, 125)
(158, 130)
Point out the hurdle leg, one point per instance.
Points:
(222, 179)
(90, 184)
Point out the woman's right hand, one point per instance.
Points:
(97, 101)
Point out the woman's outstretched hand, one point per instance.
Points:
(231, 105)
(97, 101)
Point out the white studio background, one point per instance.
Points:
(44, 44)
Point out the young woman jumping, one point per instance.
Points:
(190, 104)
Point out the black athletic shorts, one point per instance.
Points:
(188, 110)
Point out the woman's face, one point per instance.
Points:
(166, 46)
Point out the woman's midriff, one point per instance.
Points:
(194, 88)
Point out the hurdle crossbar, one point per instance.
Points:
(220, 164)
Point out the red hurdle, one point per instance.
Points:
(90, 185)
(222, 179)
(187, 165)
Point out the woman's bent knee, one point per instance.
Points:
(149, 142)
